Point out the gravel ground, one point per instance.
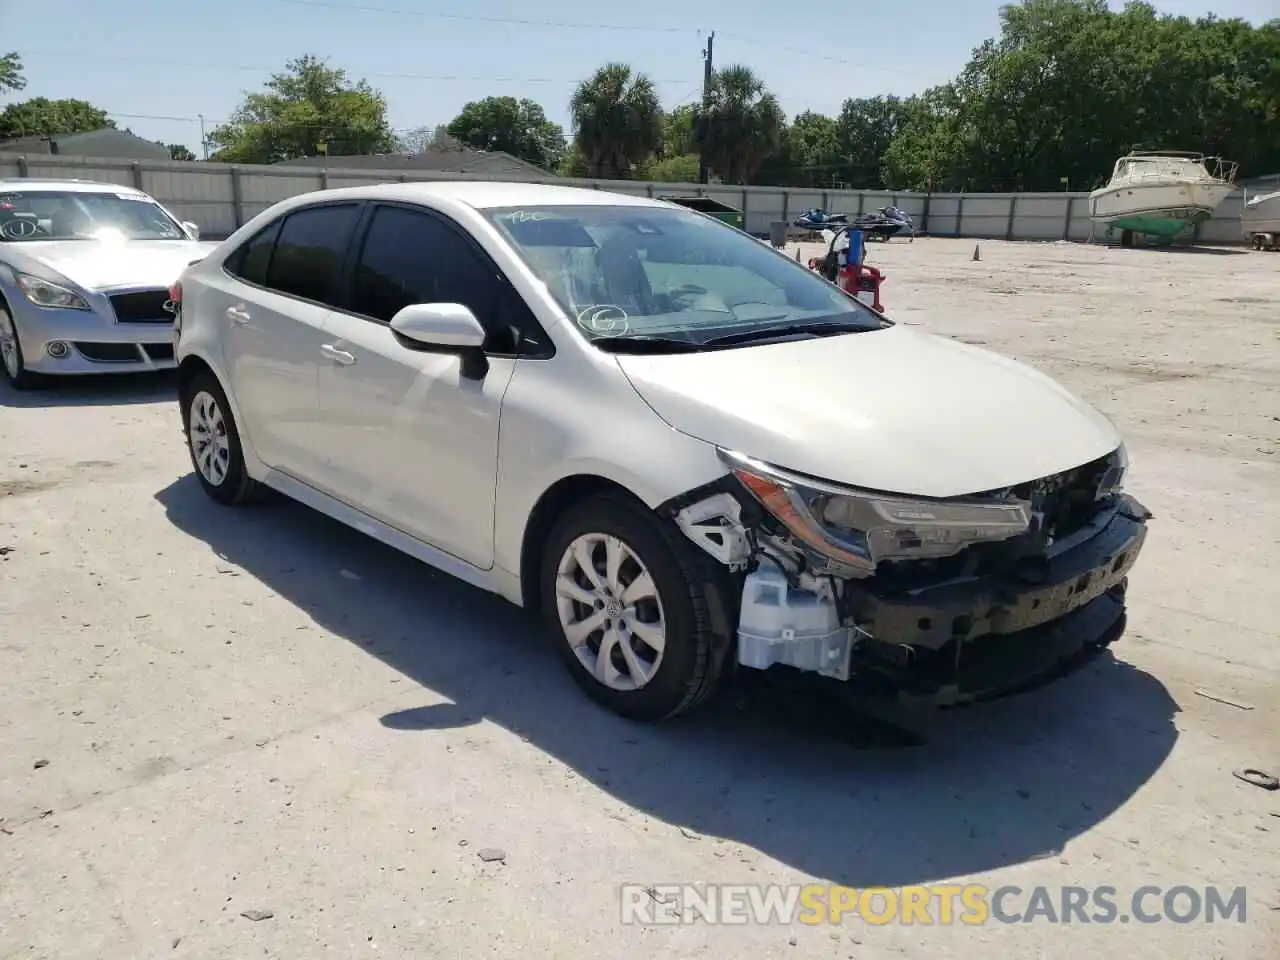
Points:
(208, 713)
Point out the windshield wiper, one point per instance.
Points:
(646, 343)
(787, 330)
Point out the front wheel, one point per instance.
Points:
(11, 359)
(628, 605)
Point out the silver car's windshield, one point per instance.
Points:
(34, 215)
(651, 272)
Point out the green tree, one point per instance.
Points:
(307, 110)
(42, 117)
(11, 76)
(742, 125)
(617, 121)
(813, 150)
(177, 151)
(1070, 85)
(681, 168)
(867, 127)
(517, 127)
(678, 131)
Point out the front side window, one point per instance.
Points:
(310, 249)
(643, 272)
(411, 257)
(34, 215)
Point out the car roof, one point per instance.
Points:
(484, 194)
(18, 184)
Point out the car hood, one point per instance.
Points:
(94, 265)
(894, 410)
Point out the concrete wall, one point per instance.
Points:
(220, 197)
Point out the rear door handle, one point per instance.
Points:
(238, 315)
(338, 356)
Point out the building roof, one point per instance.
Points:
(106, 142)
(437, 161)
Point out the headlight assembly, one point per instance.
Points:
(45, 294)
(861, 528)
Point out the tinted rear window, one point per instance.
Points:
(309, 252)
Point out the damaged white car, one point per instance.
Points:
(687, 450)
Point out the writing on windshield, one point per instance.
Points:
(34, 215)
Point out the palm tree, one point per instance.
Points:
(617, 120)
(742, 126)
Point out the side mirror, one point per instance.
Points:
(444, 328)
(193, 229)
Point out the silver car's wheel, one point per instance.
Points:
(207, 434)
(610, 611)
(9, 346)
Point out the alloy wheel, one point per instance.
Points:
(207, 434)
(610, 611)
(9, 346)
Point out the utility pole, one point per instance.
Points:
(707, 71)
(204, 140)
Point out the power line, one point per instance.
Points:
(134, 63)
(475, 18)
(770, 44)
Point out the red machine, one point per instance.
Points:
(858, 280)
(862, 282)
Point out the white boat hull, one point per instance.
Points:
(1262, 216)
(1159, 206)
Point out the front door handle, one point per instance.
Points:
(238, 315)
(336, 355)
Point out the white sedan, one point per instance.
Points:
(85, 271)
(687, 451)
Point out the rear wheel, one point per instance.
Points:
(214, 442)
(1126, 238)
(11, 359)
(628, 604)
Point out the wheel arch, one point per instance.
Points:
(555, 500)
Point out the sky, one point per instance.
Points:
(157, 66)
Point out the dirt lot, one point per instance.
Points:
(258, 710)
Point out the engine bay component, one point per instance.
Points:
(796, 626)
(715, 525)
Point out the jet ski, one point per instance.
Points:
(815, 219)
(885, 223)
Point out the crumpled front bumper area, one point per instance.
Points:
(997, 621)
(977, 638)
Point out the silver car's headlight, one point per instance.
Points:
(45, 294)
(860, 528)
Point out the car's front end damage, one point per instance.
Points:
(948, 599)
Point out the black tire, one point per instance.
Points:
(687, 584)
(25, 379)
(1126, 238)
(235, 485)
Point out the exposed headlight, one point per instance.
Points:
(860, 528)
(1112, 481)
(45, 294)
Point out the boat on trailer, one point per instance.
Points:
(1162, 194)
(1260, 218)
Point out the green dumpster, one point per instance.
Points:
(713, 208)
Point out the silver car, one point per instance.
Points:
(85, 271)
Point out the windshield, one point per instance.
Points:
(645, 272)
(32, 215)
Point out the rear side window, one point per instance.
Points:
(250, 261)
(309, 251)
